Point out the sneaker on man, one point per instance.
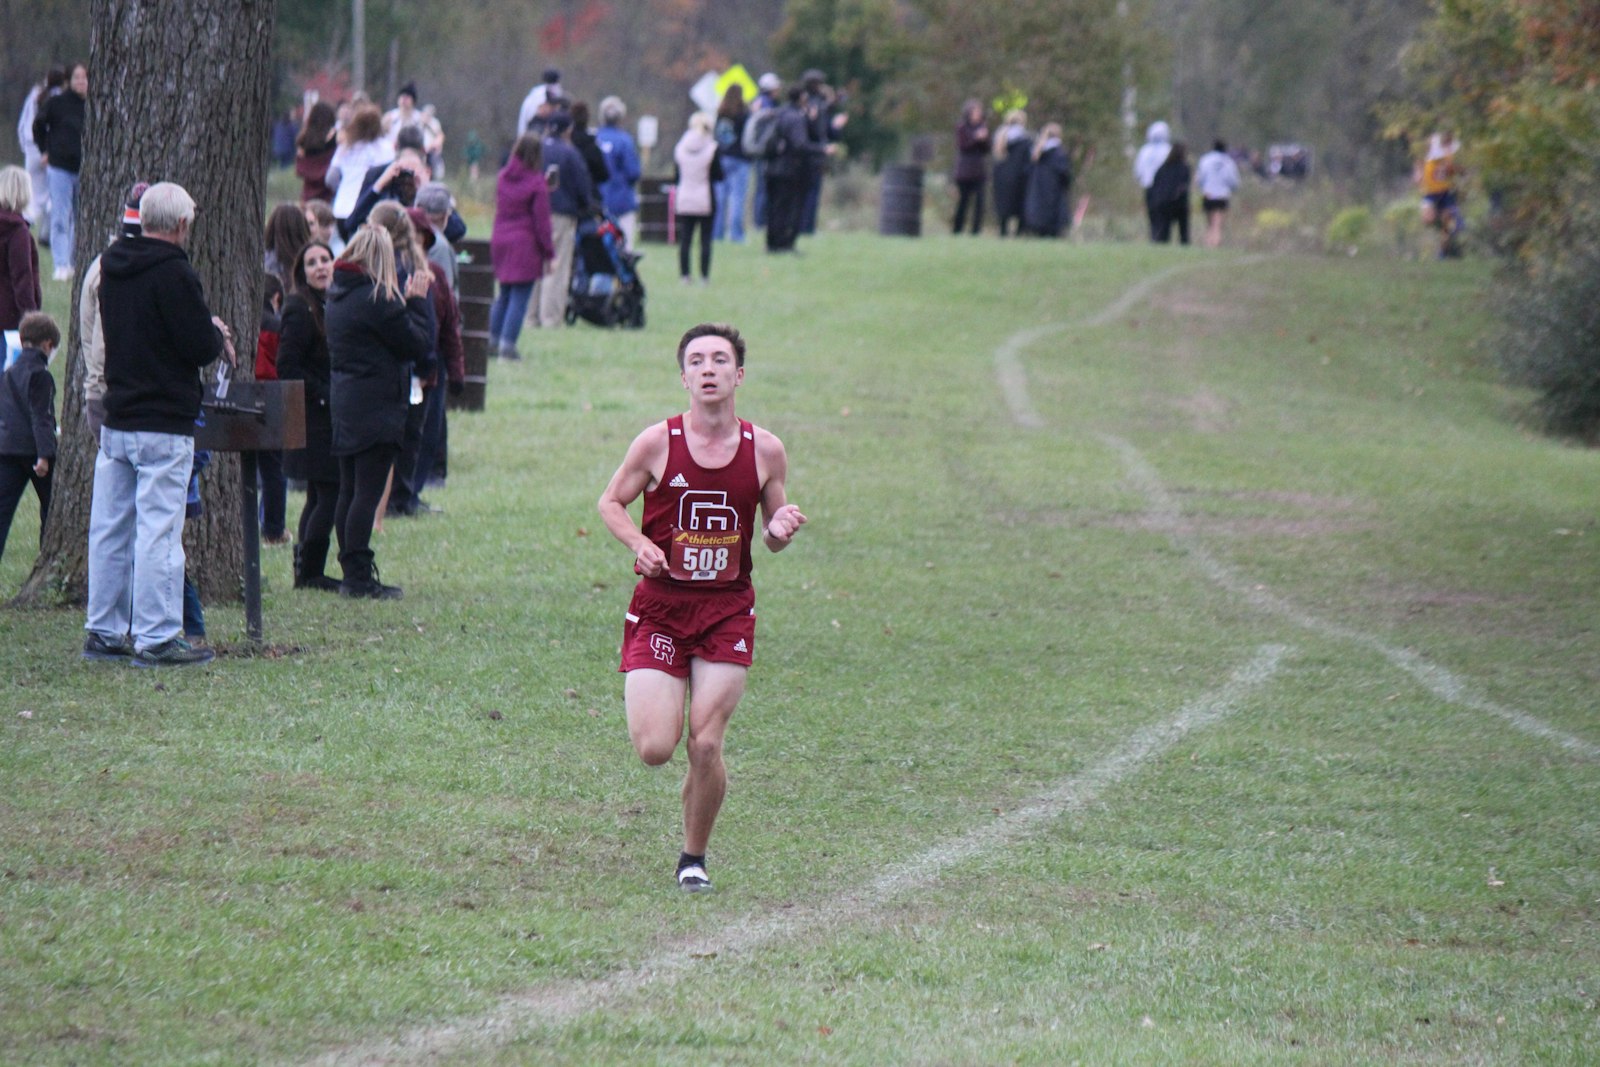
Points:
(174, 653)
(692, 879)
(107, 650)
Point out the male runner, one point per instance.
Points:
(691, 626)
(1437, 174)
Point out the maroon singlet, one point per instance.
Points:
(703, 518)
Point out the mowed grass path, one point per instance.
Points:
(1074, 734)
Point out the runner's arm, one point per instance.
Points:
(637, 473)
(783, 519)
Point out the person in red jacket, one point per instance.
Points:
(20, 291)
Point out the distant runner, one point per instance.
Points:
(1440, 205)
(690, 629)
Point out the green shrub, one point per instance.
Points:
(1272, 222)
(1347, 230)
(1549, 303)
(1403, 219)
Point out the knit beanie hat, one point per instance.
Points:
(131, 226)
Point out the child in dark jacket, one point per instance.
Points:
(28, 421)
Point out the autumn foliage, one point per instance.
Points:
(1521, 80)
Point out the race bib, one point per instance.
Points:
(705, 555)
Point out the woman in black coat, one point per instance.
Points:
(303, 356)
(376, 332)
(1169, 198)
(972, 165)
(1013, 149)
(1044, 208)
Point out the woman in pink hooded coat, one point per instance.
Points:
(520, 245)
(699, 170)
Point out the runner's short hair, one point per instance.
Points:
(724, 330)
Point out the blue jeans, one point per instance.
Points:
(63, 215)
(507, 312)
(808, 207)
(758, 200)
(141, 480)
(274, 493)
(433, 420)
(194, 615)
(731, 192)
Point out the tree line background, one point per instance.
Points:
(1252, 71)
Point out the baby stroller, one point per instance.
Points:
(606, 289)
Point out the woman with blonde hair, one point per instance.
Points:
(1013, 154)
(699, 169)
(411, 257)
(1044, 207)
(20, 291)
(376, 330)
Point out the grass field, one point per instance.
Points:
(1190, 659)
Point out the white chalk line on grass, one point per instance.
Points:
(1013, 380)
(1442, 683)
(558, 1002)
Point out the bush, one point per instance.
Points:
(1272, 222)
(1549, 303)
(1347, 230)
(1403, 218)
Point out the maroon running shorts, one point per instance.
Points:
(665, 630)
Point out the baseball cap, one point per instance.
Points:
(768, 82)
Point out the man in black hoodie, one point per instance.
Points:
(158, 334)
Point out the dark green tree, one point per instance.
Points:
(1071, 61)
(859, 45)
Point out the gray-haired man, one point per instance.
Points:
(158, 334)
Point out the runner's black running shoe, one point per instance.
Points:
(692, 879)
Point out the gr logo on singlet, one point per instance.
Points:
(662, 646)
(706, 510)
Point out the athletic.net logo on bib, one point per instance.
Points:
(706, 541)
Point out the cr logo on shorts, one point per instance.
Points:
(662, 646)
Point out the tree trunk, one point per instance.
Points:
(178, 91)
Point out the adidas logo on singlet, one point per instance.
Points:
(741, 646)
(679, 482)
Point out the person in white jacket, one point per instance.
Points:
(1157, 146)
(1217, 177)
(694, 202)
(38, 211)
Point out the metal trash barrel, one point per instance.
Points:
(475, 295)
(900, 202)
(654, 219)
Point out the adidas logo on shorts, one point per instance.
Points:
(741, 646)
(679, 482)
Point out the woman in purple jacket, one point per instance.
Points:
(520, 245)
(972, 165)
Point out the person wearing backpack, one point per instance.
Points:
(790, 155)
(731, 190)
(766, 100)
